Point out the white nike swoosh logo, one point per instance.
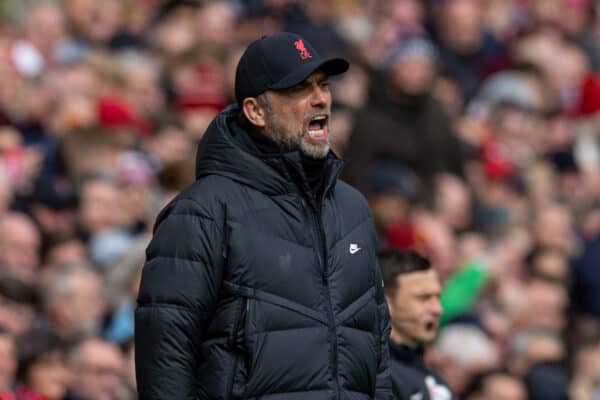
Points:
(354, 249)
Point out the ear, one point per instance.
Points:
(254, 112)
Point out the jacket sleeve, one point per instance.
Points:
(178, 294)
(384, 380)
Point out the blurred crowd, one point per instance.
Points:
(471, 126)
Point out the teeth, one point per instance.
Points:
(319, 118)
(315, 133)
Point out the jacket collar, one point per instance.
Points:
(406, 354)
(226, 149)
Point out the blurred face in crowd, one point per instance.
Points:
(553, 227)
(19, 244)
(98, 21)
(501, 387)
(461, 24)
(520, 132)
(99, 204)
(389, 209)
(407, 14)
(453, 202)
(297, 118)
(217, 21)
(546, 305)
(413, 75)
(143, 91)
(534, 346)
(169, 146)
(415, 307)
(53, 220)
(98, 367)
(67, 251)
(587, 362)
(76, 305)
(16, 318)
(177, 34)
(8, 362)
(49, 376)
(45, 27)
(552, 265)
(440, 244)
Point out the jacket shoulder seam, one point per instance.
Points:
(181, 307)
(201, 216)
(362, 221)
(159, 256)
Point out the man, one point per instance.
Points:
(74, 301)
(412, 289)
(98, 369)
(402, 123)
(496, 384)
(19, 245)
(261, 280)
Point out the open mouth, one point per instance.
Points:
(430, 326)
(317, 127)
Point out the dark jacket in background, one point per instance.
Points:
(547, 380)
(254, 288)
(412, 379)
(412, 131)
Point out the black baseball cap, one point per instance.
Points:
(280, 61)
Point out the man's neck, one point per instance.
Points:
(400, 339)
(263, 142)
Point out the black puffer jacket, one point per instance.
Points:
(253, 289)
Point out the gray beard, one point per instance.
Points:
(293, 141)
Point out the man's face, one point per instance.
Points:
(415, 307)
(98, 371)
(49, 376)
(298, 117)
(99, 202)
(19, 246)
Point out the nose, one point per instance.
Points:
(320, 96)
(436, 307)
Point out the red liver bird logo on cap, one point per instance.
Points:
(304, 53)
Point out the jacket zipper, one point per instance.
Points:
(241, 316)
(315, 213)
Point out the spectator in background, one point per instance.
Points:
(538, 356)
(585, 359)
(54, 207)
(496, 384)
(467, 52)
(45, 32)
(64, 248)
(98, 368)
(412, 290)
(74, 301)
(403, 123)
(19, 303)
(42, 372)
(96, 25)
(461, 351)
(393, 192)
(103, 218)
(20, 243)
